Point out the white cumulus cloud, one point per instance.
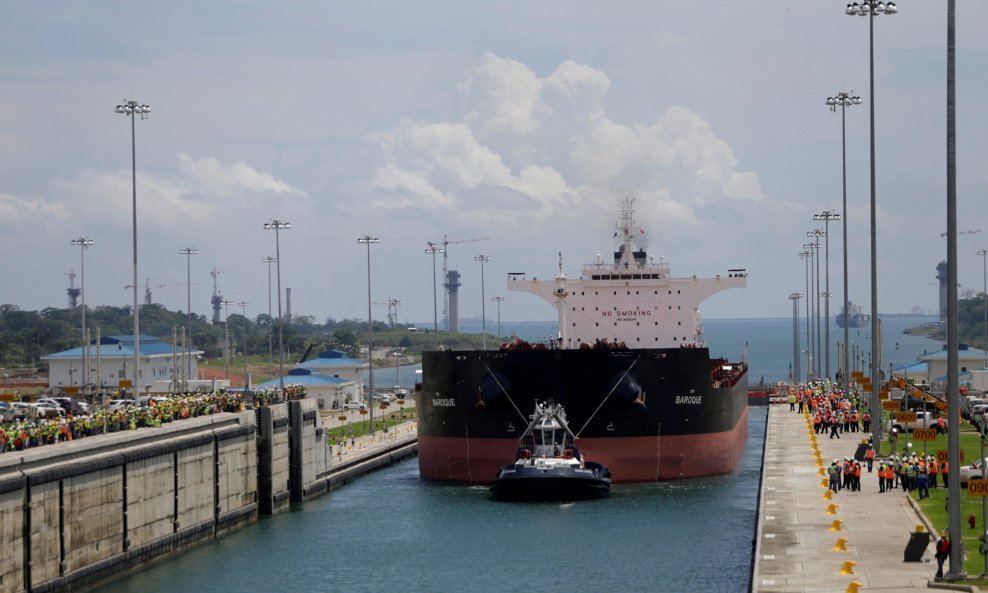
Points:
(531, 147)
(218, 178)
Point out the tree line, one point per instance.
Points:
(26, 336)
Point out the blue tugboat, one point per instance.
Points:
(548, 465)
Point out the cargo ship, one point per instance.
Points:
(628, 363)
(857, 318)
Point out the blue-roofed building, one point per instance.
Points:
(112, 360)
(917, 370)
(330, 391)
(968, 359)
(336, 364)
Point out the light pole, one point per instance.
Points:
(188, 252)
(483, 311)
(368, 241)
(984, 296)
(433, 250)
(870, 9)
(277, 225)
(826, 216)
(844, 100)
(794, 297)
(499, 300)
(816, 234)
(243, 308)
(83, 243)
(270, 260)
(807, 255)
(226, 329)
(132, 109)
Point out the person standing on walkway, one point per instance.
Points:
(834, 473)
(856, 477)
(792, 402)
(870, 457)
(943, 551)
(944, 472)
(833, 426)
(921, 488)
(934, 468)
(866, 421)
(881, 476)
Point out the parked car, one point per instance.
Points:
(118, 404)
(72, 405)
(978, 414)
(929, 422)
(971, 470)
(353, 405)
(47, 409)
(968, 402)
(21, 410)
(5, 412)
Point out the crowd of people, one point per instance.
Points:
(837, 412)
(24, 434)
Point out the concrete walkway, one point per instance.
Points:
(367, 447)
(800, 532)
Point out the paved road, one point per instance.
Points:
(795, 546)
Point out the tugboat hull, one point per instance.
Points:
(519, 483)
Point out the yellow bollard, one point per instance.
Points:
(853, 587)
(848, 567)
(836, 526)
(824, 483)
(832, 509)
(841, 545)
(821, 472)
(828, 494)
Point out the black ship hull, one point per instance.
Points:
(646, 414)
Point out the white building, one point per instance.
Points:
(112, 361)
(330, 392)
(968, 360)
(333, 363)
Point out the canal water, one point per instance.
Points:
(390, 531)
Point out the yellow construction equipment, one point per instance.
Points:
(918, 392)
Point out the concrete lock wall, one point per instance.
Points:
(273, 452)
(77, 512)
(311, 456)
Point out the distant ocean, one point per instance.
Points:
(766, 343)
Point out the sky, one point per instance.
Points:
(512, 129)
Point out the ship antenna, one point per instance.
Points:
(616, 383)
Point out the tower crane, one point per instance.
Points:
(392, 304)
(72, 290)
(217, 299)
(446, 243)
(147, 290)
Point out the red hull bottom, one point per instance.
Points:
(630, 459)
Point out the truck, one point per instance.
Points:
(923, 420)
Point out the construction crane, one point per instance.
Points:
(446, 243)
(392, 310)
(147, 290)
(217, 299)
(72, 290)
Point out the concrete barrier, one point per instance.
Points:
(80, 512)
(77, 511)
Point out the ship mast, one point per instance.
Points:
(624, 226)
(560, 292)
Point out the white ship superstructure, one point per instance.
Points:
(634, 300)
